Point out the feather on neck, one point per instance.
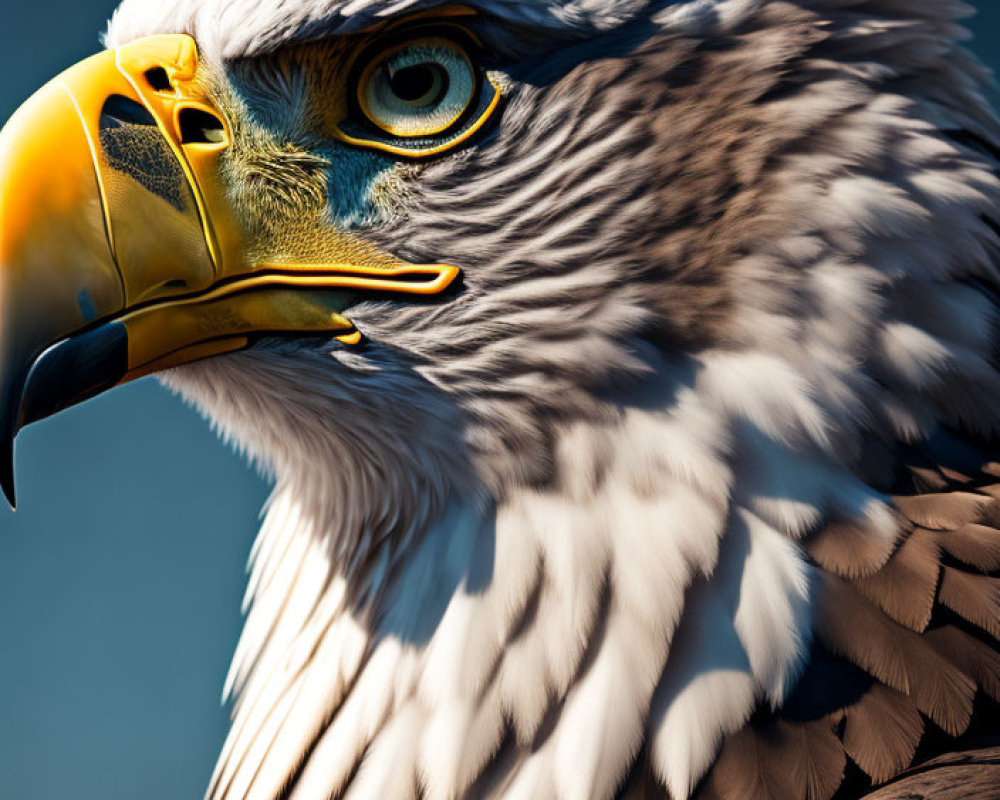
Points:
(499, 645)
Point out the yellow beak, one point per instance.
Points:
(120, 254)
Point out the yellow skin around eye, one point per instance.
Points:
(403, 119)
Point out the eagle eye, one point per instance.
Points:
(418, 89)
(418, 95)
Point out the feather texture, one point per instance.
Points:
(691, 484)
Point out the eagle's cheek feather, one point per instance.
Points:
(120, 252)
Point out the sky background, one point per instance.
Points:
(121, 574)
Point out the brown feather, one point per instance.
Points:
(977, 660)
(851, 627)
(882, 731)
(945, 511)
(737, 773)
(814, 758)
(905, 588)
(780, 761)
(954, 476)
(975, 545)
(848, 550)
(976, 598)
(927, 479)
(993, 490)
(973, 775)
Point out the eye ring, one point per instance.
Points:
(419, 88)
(360, 124)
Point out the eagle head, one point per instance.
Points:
(587, 344)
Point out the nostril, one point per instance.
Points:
(159, 80)
(119, 111)
(176, 284)
(200, 127)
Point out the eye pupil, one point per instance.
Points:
(420, 84)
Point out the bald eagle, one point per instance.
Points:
(627, 372)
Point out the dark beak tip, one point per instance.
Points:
(8, 432)
(67, 373)
(7, 479)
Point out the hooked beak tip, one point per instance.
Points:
(7, 474)
(8, 432)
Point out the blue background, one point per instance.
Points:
(122, 572)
